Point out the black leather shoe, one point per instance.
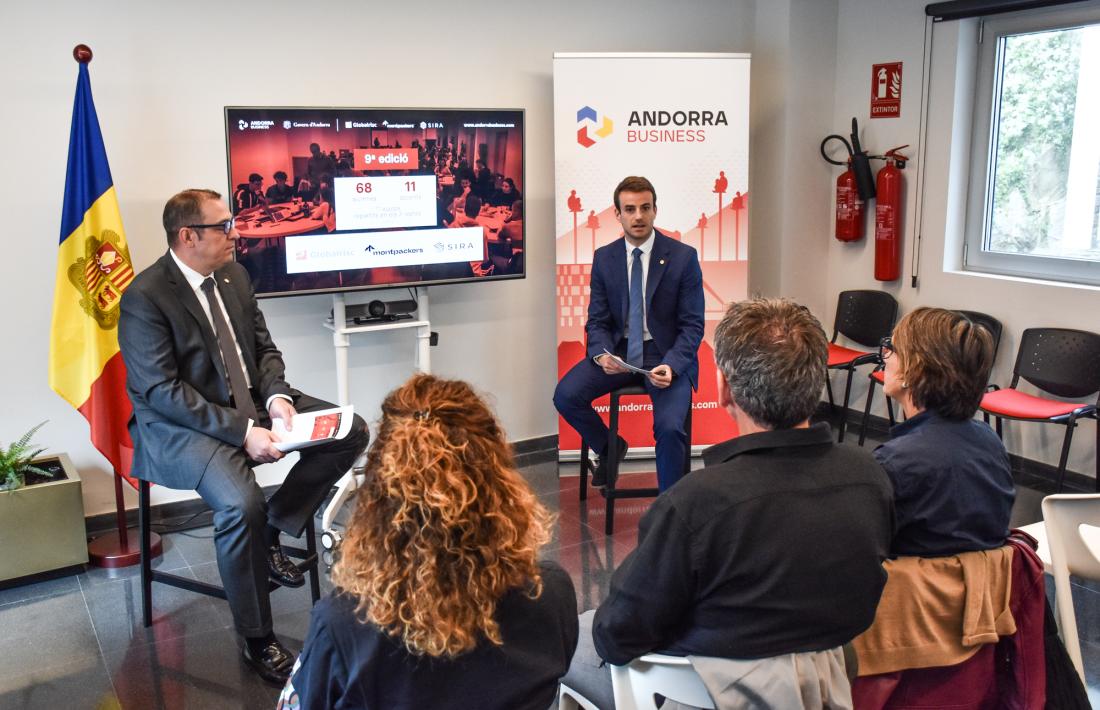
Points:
(273, 662)
(282, 570)
(599, 476)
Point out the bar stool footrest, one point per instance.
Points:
(308, 559)
(616, 493)
(191, 585)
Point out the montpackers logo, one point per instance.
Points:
(101, 275)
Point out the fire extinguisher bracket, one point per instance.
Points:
(855, 186)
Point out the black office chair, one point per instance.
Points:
(1063, 362)
(876, 377)
(864, 317)
(150, 575)
(610, 492)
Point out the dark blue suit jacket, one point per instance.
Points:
(673, 300)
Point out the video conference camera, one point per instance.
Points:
(378, 311)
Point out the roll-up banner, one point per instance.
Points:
(681, 120)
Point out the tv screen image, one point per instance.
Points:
(340, 199)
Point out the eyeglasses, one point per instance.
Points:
(226, 226)
(886, 348)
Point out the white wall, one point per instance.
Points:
(792, 102)
(876, 31)
(160, 77)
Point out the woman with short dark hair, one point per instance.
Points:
(953, 489)
(441, 601)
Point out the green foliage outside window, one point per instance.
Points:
(1034, 140)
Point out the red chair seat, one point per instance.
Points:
(840, 355)
(879, 376)
(1013, 403)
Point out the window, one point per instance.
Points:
(1034, 195)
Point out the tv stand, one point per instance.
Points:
(341, 330)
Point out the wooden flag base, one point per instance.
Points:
(109, 551)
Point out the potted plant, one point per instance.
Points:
(41, 512)
(17, 463)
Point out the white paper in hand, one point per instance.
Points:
(312, 428)
(626, 365)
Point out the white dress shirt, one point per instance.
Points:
(195, 280)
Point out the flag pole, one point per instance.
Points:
(114, 549)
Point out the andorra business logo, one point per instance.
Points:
(587, 117)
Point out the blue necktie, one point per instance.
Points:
(637, 312)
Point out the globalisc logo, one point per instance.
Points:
(587, 117)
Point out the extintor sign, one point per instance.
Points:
(886, 90)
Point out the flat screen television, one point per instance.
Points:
(342, 199)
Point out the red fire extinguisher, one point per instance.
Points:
(890, 188)
(853, 187)
(849, 207)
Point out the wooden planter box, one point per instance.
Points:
(42, 525)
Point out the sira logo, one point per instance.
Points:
(587, 116)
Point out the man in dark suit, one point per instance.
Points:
(646, 306)
(206, 381)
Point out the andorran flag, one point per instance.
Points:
(93, 269)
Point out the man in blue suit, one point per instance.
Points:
(646, 306)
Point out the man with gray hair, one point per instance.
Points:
(764, 563)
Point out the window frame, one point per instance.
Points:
(985, 122)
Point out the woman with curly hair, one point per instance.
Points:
(440, 599)
(953, 489)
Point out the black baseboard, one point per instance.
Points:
(43, 576)
(178, 515)
(541, 449)
(1037, 475)
(194, 513)
(1043, 477)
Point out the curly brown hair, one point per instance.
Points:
(444, 525)
(945, 361)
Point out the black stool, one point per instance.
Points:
(609, 492)
(150, 575)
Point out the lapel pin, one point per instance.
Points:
(227, 280)
(662, 262)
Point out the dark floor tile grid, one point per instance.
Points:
(79, 641)
(78, 684)
(199, 670)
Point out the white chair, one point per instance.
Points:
(672, 677)
(1090, 535)
(569, 699)
(1063, 516)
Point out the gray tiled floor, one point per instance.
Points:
(78, 642)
